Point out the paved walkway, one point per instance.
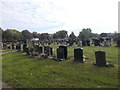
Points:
(3, 84)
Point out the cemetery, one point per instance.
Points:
(59, 60)
(60, 65)
(66, 44)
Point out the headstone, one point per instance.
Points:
(100, 58)
(36, 48)
(13, 46)
(118, 43)
(40, 49)
(88, 42)
(48, 50)
(65, 51)
(24, 47)
(79, 43)
(19, 47)
(27, 51)
(51, 51)
(78, 55)
(60, 54)
(83, 43)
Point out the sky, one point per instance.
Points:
(53, 15)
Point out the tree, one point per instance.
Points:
(72, 36)
(1, 34)
(12, 35)
(27, 35)
(85, 34)
(35, 35)
(60, 34)
(103, 35)
(8, 35)
(55, 36)
(44, 36)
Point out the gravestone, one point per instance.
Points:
(51, 51)
(27, 51)
(118, 43)
(60, 54)
(78, 55)
(100, 58)
(24, 47)
(48, 50)
(64, 50)
(19, 47)
(88, 42)
(13, 46)
(40, 49)
(97, 42)
(36, 48)
(79, 43)
(83, 43)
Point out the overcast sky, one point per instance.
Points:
(54, 15)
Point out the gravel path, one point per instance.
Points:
(3, 84)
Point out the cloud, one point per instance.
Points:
(28, 15)
(53, 15)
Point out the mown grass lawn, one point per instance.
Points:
(21, 71)
(7, 50)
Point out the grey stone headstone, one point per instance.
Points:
(100, 58)
(78, 55)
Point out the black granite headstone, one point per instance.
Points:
(65, 51)
(88, 42)
(27, 51)
(100, 58)
(24, 47)
(12, 46)
(40, 49)
(118, 43)
(17, 46)
(83, 43)
(51, 51)
(78, 55)
(60, 54)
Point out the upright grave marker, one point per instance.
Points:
(24, 47)
(48, 50)
(40, 49)
(65, 51)
(62, 52)
(78, 55)
(100, 58)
